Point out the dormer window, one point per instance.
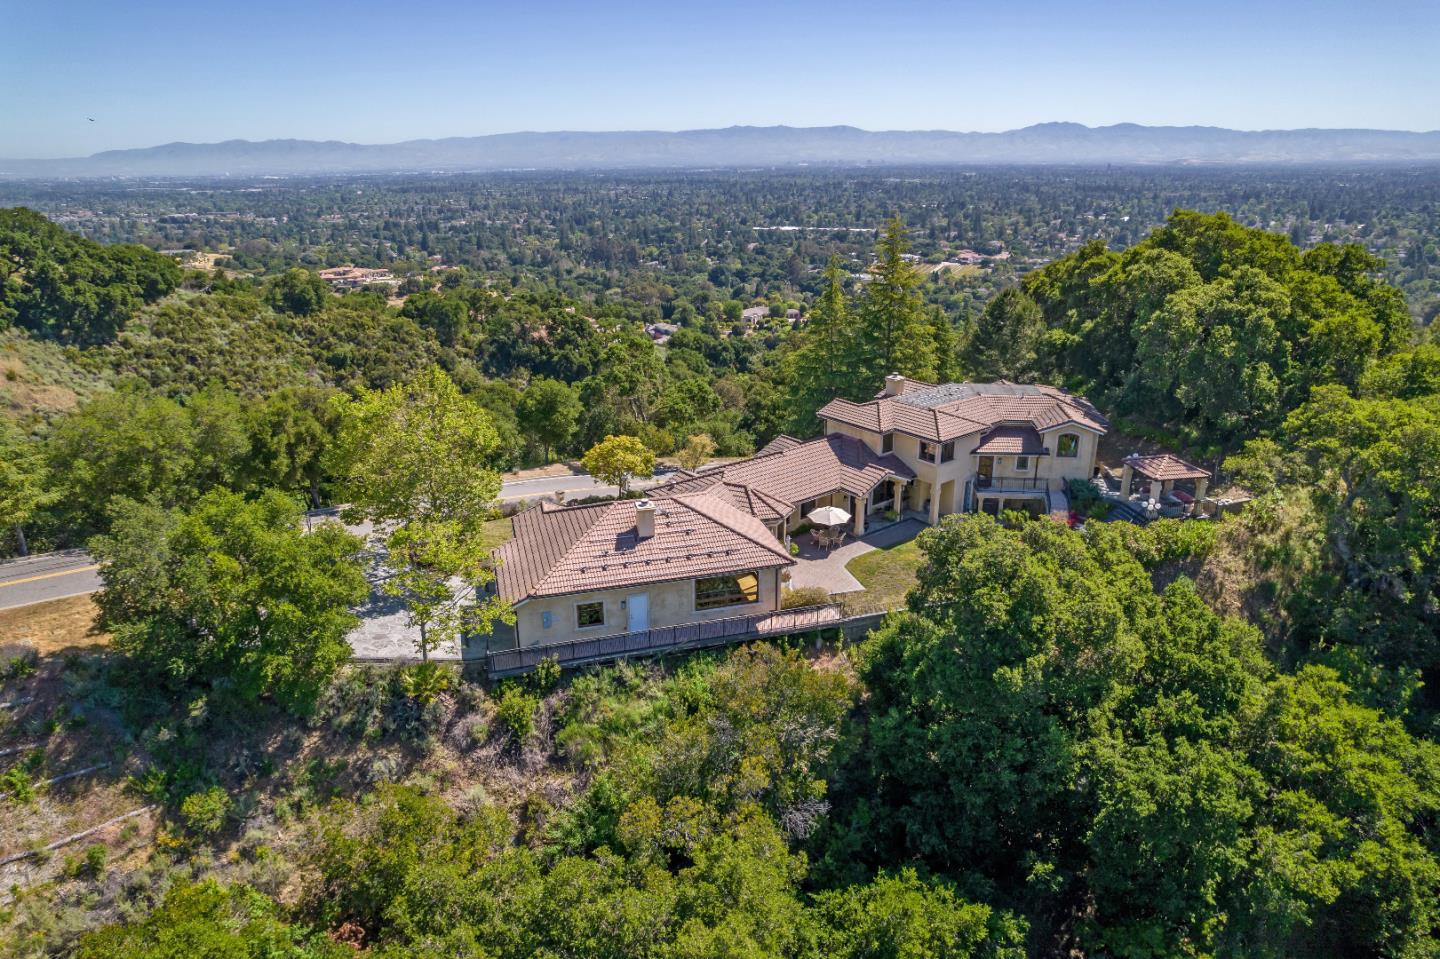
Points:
(1068, 445)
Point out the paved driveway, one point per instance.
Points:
(826, 569)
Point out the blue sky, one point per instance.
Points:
(152, 72)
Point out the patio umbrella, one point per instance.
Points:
(828, 516)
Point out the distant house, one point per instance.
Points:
(354, 277)
(754, 315)
(792, 316)
(661, 332)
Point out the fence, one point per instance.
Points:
(505, 662)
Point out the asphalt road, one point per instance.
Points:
(46, 576)
(36, 579)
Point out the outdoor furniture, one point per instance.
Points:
(817, 538)
(828, 516)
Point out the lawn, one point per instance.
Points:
(498, 532)
(887, 575)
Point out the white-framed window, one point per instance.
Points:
(1068, 445)
(589, 614)
(1022, 463)
(733, 589)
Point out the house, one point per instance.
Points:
(354, 277)
(708, 549)
(633, 566)
(661, 332)
(754, 315)
(977, 446)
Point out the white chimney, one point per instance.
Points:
(894, 383)
(644, 519)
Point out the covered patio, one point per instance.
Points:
(1160, 473)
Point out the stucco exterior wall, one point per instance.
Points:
(671, 604)
(947, 480)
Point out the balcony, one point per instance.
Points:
(715, 632)
(1012, 484)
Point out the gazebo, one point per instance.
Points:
(1165, 469)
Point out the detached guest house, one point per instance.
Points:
(706, 552)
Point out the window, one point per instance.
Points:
(1068, 445)
(1022, 463)
(927, 452)
(887, 443)
(589, 614)
(947, 452)
(713, 592)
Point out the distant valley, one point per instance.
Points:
(740, 146)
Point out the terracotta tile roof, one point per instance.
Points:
(1165, 466)
(559, 550)
(779, 444)
(1011, 440)
(951, 410)
(775, 483)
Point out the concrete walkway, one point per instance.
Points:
(826, 569)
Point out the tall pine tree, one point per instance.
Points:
(895, 334)
(823, 367)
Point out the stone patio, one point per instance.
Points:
(824, 568)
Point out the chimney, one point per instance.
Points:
(644, 519)
(894, 383)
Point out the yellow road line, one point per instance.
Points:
(31, 579)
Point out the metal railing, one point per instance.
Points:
(504, 662)
(1012, 483)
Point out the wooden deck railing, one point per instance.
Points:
(504, 662)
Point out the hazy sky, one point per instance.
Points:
(151, 72)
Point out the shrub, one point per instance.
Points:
(804, 596)
(516, 709)
(16, 783)
(91, 865)
(205, 812)
(424, 682)
(546, 675)
(19, 667)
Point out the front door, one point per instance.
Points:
(985, 466)
(637, 608)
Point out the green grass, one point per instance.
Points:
(498, 532)
(887, 575)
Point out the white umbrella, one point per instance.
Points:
(828, 516)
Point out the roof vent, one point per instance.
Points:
(644, 519)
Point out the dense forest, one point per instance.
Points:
(1187, 738)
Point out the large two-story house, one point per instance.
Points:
(711, 546)
(976, 446)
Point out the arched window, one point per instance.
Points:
(1068, 445)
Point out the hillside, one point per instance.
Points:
(1046, 143)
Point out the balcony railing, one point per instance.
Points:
(733, 629)
(1005, 484)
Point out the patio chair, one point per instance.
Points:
(817, 538)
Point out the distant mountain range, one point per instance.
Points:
(1045, 143)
